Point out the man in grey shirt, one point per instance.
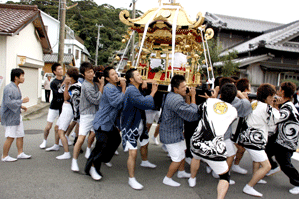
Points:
(91, 93)
(11, 115)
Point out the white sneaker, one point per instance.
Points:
(87, 153)
(170, 182)
(261, 181)
(294, 190)
(188, 160)
(23, 156)
(238, 169)
(8, 159)
(273, 171)
(148, 164)
(215, 175)
(208, 169)
(134, 184)
(60, 143)
(43, 145)
(55, 147)
(155, 140)
(251, 191)
(73, 134)
(75, 166)
(94, 174)
(192, 182)
(232, 182)
(183, 174)
(64, 156)
(116, 152)
(108, 164)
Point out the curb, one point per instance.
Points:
(35, 109)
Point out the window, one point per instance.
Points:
(69, 51)
(77, 54)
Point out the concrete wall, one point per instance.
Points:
(3, 71)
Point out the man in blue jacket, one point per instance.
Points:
(133, 123)
(108, 138)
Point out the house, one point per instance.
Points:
(23, 43)
(73, 45)
(267, 52)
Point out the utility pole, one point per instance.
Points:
(133, 36)
(98, 43)
(62, 31)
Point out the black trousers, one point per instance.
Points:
(189, 128)
(270, 151)
(47, 95)
(106, 145)
(283, 157)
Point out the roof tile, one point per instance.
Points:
(242, 24)
(13, 17)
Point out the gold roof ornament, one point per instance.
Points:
(157, 35)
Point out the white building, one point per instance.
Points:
(23, 43)
(72, 44)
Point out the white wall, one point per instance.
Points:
(26, 44)
(74, 45)
(53, 30)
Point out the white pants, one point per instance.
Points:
(86, 124)
(15, 131)
(177, 151)
(52, 114)
(65, 117)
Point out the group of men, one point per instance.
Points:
(116, 110)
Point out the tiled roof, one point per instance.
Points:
(238, 23)
(277, 39)
(14, 17)
(52, 58)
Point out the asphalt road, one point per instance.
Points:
(44, 176)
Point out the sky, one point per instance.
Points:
(284, 12)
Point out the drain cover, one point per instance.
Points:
(33, 131)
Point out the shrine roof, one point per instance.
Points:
(238, 23)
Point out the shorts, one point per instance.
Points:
(142, 143)
(15, 131)
(86, 124)
(177, 151)
(257, 155)
(65, 117)
(52, 114)
(219, 167)
(230, 148)
(152, 115)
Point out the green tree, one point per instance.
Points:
(226, 67)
